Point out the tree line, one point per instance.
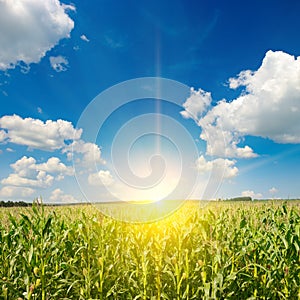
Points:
(14, 204)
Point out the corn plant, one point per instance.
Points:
(220, 251)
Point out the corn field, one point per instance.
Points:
(220, 251)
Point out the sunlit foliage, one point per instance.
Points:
(220, 251)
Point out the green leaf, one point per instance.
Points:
(47, 225)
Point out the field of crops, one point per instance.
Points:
(221, 251)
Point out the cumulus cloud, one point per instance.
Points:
(30, 28)
(55, 166)
(58, 196)
(268, 107)
(36, 134)
(3, 136)
(59, 63)
(27, 173)
(196, 104)
(225, 167)
(271, 106)
(251, 194)
(41, 180)
(90, 153)
(13, 192)
(221, 140)
(100, 178)
(50, 136)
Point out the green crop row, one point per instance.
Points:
(221, 251)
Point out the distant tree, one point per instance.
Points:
(241, 199)
(14, 204)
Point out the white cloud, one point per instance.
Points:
(225, 167)
(234, 83)
(90, 153)
(29, 28)
(27, 173)
(273, 191)
(16, 192)
(41, 180)
(58, 196)
(101, 178)
(84, 38)
(36, 134)
(24, 164)
(251, 194)
(59, 63)
(3, 136)
(196, 104)
(50, 136)
(55, 166)
(40, 111)
(68, 7)
(269, 108)
(220, 141)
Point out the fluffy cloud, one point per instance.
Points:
(89, 153)
(196, 104)
(222, 141)
(55, 166)
(50, 136)
(269, 107)
(59, 63)
(58, 196)
(16, 192)
(100, 178)
(225, 167)
(27, 173)
(29, 28)
(251, 194)
(41, 180)
(2, 136)
(36, 134)
(25, 167)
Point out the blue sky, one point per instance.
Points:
(233, 129)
